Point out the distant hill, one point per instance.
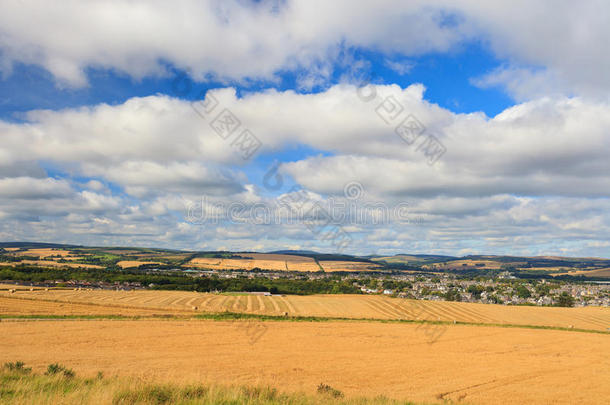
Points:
(44, 254)
(35, 245)
(294, 252)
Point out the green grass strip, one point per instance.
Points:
(237, 316)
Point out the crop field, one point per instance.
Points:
(43, 253)
(54, 264)
(264, 261)
(125, 264)
(468, 263)
(332, 306)
(476, 363)
(335, 265)
(588, 273)
(25, 307)
(467, 364)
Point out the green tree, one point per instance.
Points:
(522, 291)
(475, 290)
(565, 300)
(453, 295)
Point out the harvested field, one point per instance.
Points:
(335, 306)
(125, 264)
(587, 273)
(468, 263)
(51, 263)
(331, 265)
(42, 253)
(21, 307)
(121, 251)
(474, 365)
(261, 260)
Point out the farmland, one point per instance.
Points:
(331, 306)
(471, 364)
(58, 256)
(364, 326)
(588, 273)
(249, 261)
(361, 345)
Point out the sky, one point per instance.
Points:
(370, 127)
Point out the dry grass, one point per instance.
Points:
(475, 365)
(333, 306)
(21, 386)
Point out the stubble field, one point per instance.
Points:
(332, 306)
(467, 364)
(422, 362)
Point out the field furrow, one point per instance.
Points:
(341, 306)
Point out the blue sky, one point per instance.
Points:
(447, 77)
(511, 160)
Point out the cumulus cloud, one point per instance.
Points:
(549, 146)
(551, 44)
(534, 176)
(32, 188)
(533, 179)
(212, 37)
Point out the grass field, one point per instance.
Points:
(333, 306)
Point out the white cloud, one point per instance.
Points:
(402, 67)
(208, 37)
(556, 45)
(29, 188)
(550, 146)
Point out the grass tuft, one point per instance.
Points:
(52, 388)
(326, 389)
(17, 367)
(54, 369)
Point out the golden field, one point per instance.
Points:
(125, 264)
(21, 307)
(266, 261)
(338, 265)
(476, 363)
(467, 364)
(42, 253)
(280, 262)
(333, 306)
(54, 264)
(587, 273)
